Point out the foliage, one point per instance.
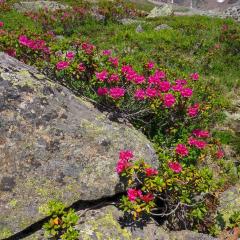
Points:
(61, 223)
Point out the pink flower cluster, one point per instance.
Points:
(33, 44)
(182, 150)
(114, 92)
(1, 24)
(198, 133)
(62, 65)
(88, 48)
(133, 194)
(175, 167)
(220, 154)
(151, 172)
(123, 162)
(193, 110)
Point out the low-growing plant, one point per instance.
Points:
(61, 224)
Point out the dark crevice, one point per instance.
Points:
(77, 206)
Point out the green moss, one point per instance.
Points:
(5, 232)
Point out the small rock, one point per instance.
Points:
(162, 10)
(139, 28)
(162, 27)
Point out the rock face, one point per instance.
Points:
(233, 12)
(103, 224)
(161, 10)
(229, 203)
(54, 145)
(37, 5)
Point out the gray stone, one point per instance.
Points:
(129, 21)
(104, 224)
(139, 28)
(54, 145)
(161, 10)
(228, 204)
(26, 6)
(162, 27)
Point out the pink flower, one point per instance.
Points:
(181, 82)
(197, 143)
(139, 94)
(23, 40)
(186, 92)
(88, 48)
(200, 144)
(107, 52)
(169, 100)
(102, 91)
(150, 65)
(113, 78)
(133, 194)
(193, 110)
(117, 92)
(156, 77)
(194, 76)
(11, 52)
(139, 79)
(102, 75)
(147, 198)
(175, 167)
(177, 88)
(62, 65)
(123, 162)
(165, 86)
(1, 24)
(151, 92)
(220, 154)
(81, 67)
(114, 61)
(160, 74)
(200, 133)
(126, 155)
(127, 69)
(182, 150)
(192, 141)
(151, 172)
(70, 55)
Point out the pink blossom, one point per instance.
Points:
(193, 110)
(160, 74)
(62, 65)
(156, 77)
(182, 150)
(102, 91)
(220, 154)
(200, 133)
(127, 69)
(70, 55)
(169, 100)
(11, 52)
(175, 167)
(200, 144)
(165, 86)
(194, 76)
(102, 75)
(114, 61)
(151, 92)
(23, 40)
(192, 141)
(117, 92)
(88, 48)
(107, 52)
(181, 82)
(126, 155)
(186, 92)
(151, 171)
(139, 79)
(113, 78)
(81, 67)
(150, 65)
(133, 194)
(177, 88)
(147, 198)
(1, 24)
(139, 94)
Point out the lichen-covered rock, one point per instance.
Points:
(54, 145)
(229, 203)
(26, 6)
(161, 10)
(104, 224)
